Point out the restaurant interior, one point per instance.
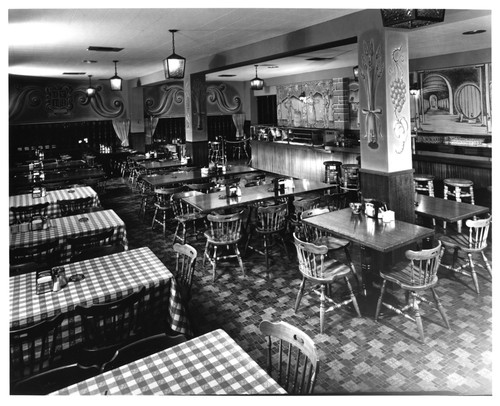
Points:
(260, 201)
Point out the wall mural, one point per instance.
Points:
(307, 104)
(218, 95)
(169, 95)
(455, 100)
(370, 71)
(398, 91)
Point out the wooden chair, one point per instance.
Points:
(292, 359)
(460, 189)
(108, 326)
(45, 254)
(75, 206)
(142, 348)
(184, 269)
(475, 243)
(415, 278)
(34, 349)
(54, 379)
(80, 244)
(97, 252)
(316, 268)
(224, 231)
(24, 214)
(163, 205)
(334, 201)
(202, 187)
(301, 205)
(271, 224)
(185, 215)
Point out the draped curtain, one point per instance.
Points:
(122, 128)
(239, 121)
(151, 124)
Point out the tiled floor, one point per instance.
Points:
(358, 355)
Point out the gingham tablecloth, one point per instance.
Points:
(106, 278)
(52, 197)
(212, 364)
(70, 226)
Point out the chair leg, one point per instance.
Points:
(300, 294)
(205, 255)
(440, 307)
(238, 255)
(154, 219)
(322, 309)
(487, 263)
(351, 265)
(473, 272)
(266, 248)
(176, 231)
(353, 297)
(418, 317)
(164, 222)
(379, 303)
(214, 263)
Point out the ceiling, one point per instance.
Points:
(48, 42)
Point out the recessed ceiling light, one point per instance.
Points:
(319, 58)
(89, 61)
(473, 32)
(104, 49)
(273, 66)
(74, 73)
(226, 76)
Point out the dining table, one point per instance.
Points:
(72, 226)
(161, 164)
(104, 279)
(49, 166)
(373, 235)
(210, 364)
(209, 202)
(186, 177)
(450, 211)
(52, 197)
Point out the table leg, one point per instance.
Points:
(366, 266)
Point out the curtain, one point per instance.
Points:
(239, 121)
(122, 127)
(151, 124)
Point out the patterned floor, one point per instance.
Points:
(358, 355)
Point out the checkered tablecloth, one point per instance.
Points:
(212, 364)
(70, 226)
(52, 197)
(106, 278)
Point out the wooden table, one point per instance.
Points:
(106, 278)
(209, 202)
(73, 226)
(161, 164)
(447, 210)
(51, 166)
(211, 364)
(194, 176)
(372, 234)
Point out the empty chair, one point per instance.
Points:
(224, 232)
(202, 187)
(34, 349)
(84, 243)
(184, 269)
(96, 252)
(75, 206)
(315, 267)
(142, 348)
(301, 205)
(333, 173)
(185, 215)
(45, 254)
(24, 214)
(292, 358)
(424, 183)
(473, 244)
(215, 151)
(271, 224)
(418, 276)
(460, 189)
(54, 379)
(163, 205)
(334, 201)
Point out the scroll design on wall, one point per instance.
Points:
(171, 95)
(370, 71)
(216, 94)
(31, 96)
(58, 100)
(398, 99)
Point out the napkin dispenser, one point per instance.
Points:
(374, 208)
(39, 223)
(39, 191)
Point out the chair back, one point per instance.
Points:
(142, 348)
(75, 206)
(96, 252)
(202, 187)
(46, 253)
(225, 227)
(79, 244)
(424, 265)
(33, 349)
(303, 205)
(162, 196)
(179, 206)
(335, 201)
(311, 258)
(307, 232)
(24, 214)
(272, 218)
(478, 233)
(184, 268)
(296, 362)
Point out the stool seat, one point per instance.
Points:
(421, 177)
(461, 188)
(459, 182)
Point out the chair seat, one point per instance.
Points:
(403, 278)
(189, 217)
(333, 243)
(335, 269)
(218, 237)
(459, 241)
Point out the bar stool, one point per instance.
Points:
(424, 183)
(215, 151)
(460, 188)
(237, 148)
(349, 180)
(332, 173)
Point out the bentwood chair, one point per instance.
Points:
(224, 232)
(163, 206)
(24, 214)
(292, 358)
(315, 267)
(415, 278)
(185, 215)
(35, 348)
(473, 244)
(82, 245)
(75, 206)
(45, 254)
(184, 269)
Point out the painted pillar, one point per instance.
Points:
(195, 113)
(385, 132)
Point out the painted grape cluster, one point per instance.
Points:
(398, 93)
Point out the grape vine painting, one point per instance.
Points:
(398, 99)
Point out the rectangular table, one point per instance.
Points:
(371, 234)
(217, 200)
(212, 364)
(73, 226)
(447, 210)
(161, 164)
(180, 176)
(106, 278)
(51, 166)
(52, 197)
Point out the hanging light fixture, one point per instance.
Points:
(411, 18)
(115, 81)
(355, 72)
(90, 90)
(174, 65)
(256, 83)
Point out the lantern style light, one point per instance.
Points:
(90, 90)
(411, 18)
(256, 83)
(115, 81)
(174, 65)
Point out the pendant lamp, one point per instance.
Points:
(90, 90)
(411, 18)
(115, 81)
(174, 65)
(256, 83)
